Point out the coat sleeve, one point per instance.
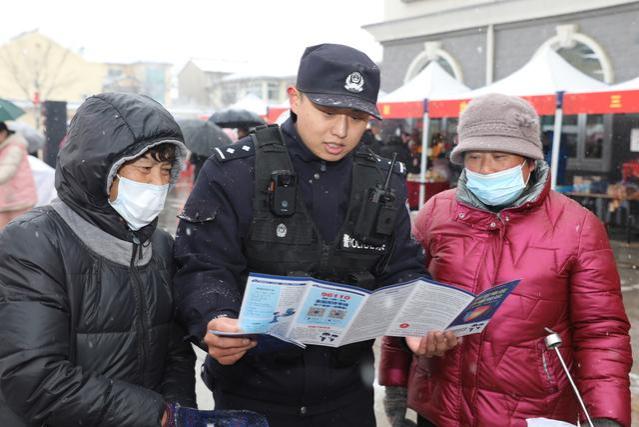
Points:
(10, 163)
(601, 343)
(395, 361)
(178, 384)
(37, 379)
(208, 250)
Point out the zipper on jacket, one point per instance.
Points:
(326, 249)
(543, 360)
(137, 291)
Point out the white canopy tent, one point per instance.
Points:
(547, 73)
(627, 85)
(433, 82)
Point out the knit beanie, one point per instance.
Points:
(496, 122)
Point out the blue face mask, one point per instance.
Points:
(499, 188)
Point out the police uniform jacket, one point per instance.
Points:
(212, 263)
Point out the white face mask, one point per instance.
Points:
(138, 203)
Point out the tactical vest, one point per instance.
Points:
(289, 243)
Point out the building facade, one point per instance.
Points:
(148, 78)
(218, 84)
(481, 41)
(34, 68)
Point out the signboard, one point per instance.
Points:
(602, 102)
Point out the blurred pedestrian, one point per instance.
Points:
(44, 177)
(86, 304)
(372, 137)
(17, 187)
(502, 223)
(399, 145)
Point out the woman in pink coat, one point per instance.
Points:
(501, 223)
(17, 187)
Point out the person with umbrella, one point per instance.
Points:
(35, 139)
(201, 137)
(240, 119)
(17, 187)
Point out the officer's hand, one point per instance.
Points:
(434, 343)
(226, 350)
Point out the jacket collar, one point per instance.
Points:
(532, 196)
(102, 243)
(472, 211)
(14, 138)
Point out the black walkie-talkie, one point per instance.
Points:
(377, 217)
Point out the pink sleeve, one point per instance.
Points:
(394, 365)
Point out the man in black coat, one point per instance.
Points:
(88, 333)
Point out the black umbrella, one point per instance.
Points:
(34, 137)
(202, 137)
(232, 118)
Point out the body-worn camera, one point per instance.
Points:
(282, 192)
(376, 218)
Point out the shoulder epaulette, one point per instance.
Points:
(383, 162)
(238, 150)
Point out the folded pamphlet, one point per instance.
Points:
(304, 310)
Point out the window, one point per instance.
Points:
(569, 136)
(273, 89)
(594, 137)
(433, 52)
(584, 59)
(585, 141)
(254, 88)
(444, 64)
(581, 51)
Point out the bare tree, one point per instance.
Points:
(35, 68)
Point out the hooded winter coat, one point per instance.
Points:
(86, 305)
(569, 284)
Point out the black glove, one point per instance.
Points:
(395, 401)
(604, 422)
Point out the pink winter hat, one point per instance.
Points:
(496, 122)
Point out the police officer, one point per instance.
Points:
(304, 200)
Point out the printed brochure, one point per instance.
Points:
(304, 310)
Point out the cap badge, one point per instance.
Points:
(354, 82)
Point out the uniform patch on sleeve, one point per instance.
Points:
(234, 151)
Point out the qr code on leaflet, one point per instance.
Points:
(315, 312)
(337, 314)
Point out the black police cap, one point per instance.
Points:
(334, 75)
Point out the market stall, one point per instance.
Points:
(547, 81)
(408, 101)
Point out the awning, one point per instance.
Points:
(538, 81)
(408, 100)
